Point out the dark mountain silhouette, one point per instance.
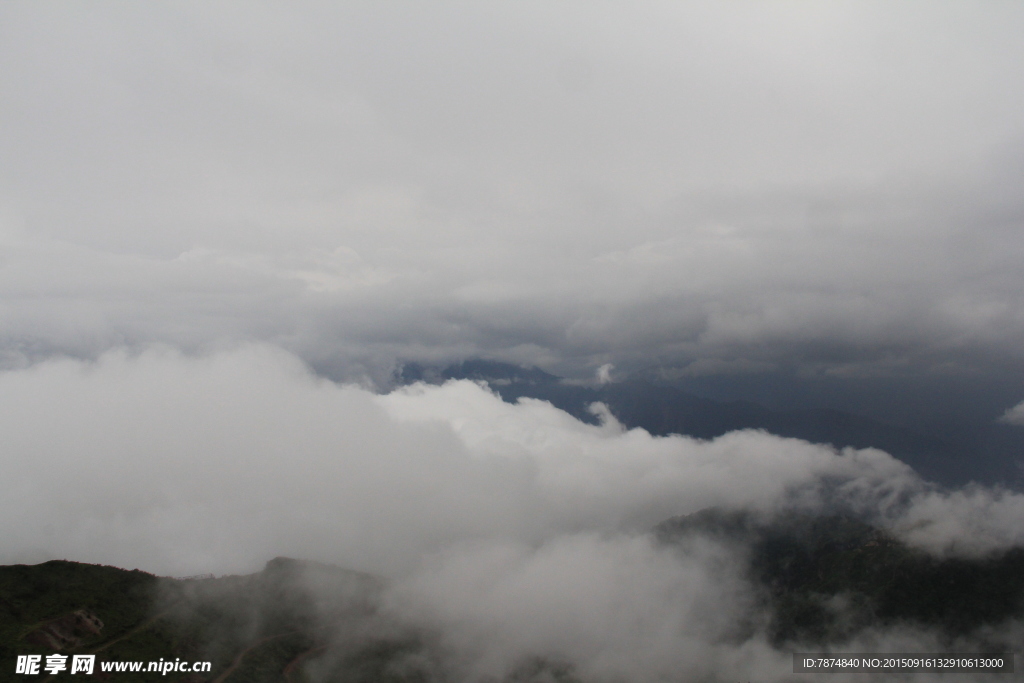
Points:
(478, 370)
(259, 627)
(954, 456)
(825, 578)
(818, 581)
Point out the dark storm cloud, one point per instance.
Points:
(716, 188)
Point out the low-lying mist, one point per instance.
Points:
(510, 532)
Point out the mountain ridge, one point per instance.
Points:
(819, 580)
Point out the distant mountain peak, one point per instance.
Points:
(493, 372)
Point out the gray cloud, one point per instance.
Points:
(612, 608)
(568, 185)
(1014, 415)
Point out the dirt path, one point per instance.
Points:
(241, 655)
(141, 627)
(295, 663)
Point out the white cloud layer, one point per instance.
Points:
(216, 463)
(509, 530)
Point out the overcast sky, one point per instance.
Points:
(709, 187)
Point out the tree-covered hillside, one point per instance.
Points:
(819, 581)
(823, 579)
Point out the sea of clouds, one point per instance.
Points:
(513, 530)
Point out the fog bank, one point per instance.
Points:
(510, 532)
(182, 465)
